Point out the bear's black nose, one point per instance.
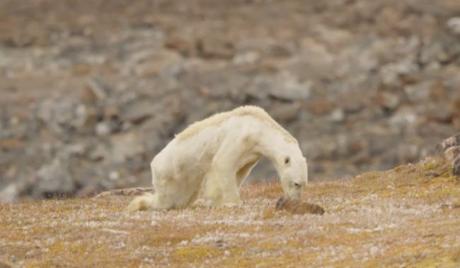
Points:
(297, 185)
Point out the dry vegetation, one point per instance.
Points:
(406, 216)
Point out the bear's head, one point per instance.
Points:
(293, 172)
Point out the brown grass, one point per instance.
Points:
(408, 216)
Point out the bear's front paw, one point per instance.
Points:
(209, 203)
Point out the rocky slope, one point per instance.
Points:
(91, 90)
(407, 216)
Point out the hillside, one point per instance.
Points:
(409, 215)
(92, 90)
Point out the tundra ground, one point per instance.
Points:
(409, 215)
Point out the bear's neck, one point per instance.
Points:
(275, 147)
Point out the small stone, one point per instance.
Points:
(291, 89)
(126, 146)
(388, 100)
(114, 175)
(452, 153)
(392, 72)
(111, 111)
(11, 144)
(88, 190)
(286, 113)
(9, 193)
(58, 114)
(138, 112)
(77, 149)
(450, 142)
(87, 95)
(320, 106)
(455, 107)
(103, 129)
(454, 25)
(249, 57)
(86, 116)
(212, 48)
(98, 152)
(403, 118)
(182, 46)
(338, 115)
(220, 243)
(97, 89)
(152, 63)
(438, 113)
(456, 166)
(418, 92)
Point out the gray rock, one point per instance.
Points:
(86, 116)
(77, 149)
(337, 115)
(432, 53)
(286, 113)
(456, 167)
(98, 88)
(215, 48)
(451, 149)
(392, 72)
(418, 92)
(138, 111)
(59, 114)
(450, 142)
(9, 194)
(54, 178)
(284, 87)
(452, 153)
(388, 100)
(249, 57)
(104, 128)
(154, 62)
(403, 118)
(99, 152)
(290, 89)
(454, 25)
(126, 146)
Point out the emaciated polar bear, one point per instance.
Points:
(215, 155)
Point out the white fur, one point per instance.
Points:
(215, 155)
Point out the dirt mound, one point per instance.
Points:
(298, 207)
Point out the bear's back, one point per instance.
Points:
(217, 119)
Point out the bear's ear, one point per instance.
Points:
(287, 160)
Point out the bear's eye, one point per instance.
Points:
(287, 160)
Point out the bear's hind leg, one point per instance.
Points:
(169, 193)
(160, 200)
(176, 192)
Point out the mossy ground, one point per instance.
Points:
(408, 216)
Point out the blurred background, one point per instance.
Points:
(90, 91)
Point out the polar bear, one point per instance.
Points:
(214, 156)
